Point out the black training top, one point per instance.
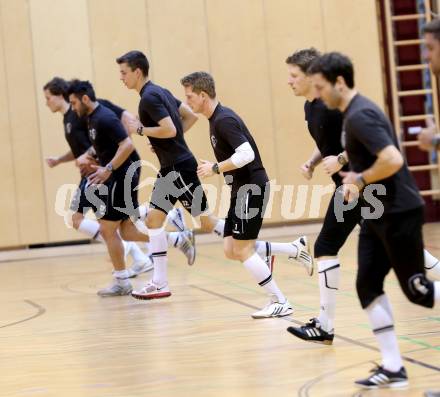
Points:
(325, 127)
(367, 131)
(227, 132)
(156, 104)
(75, 128)
(77, 134)
(106, 132)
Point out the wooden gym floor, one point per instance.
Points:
(58, 338)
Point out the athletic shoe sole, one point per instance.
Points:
(193, 242)
(395, 385)
(287, 313)
(299, 335)
(144, 297)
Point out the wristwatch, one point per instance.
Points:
(109, 167)
(436, 142)
(140, 130)
(215, 168)
(341, 159)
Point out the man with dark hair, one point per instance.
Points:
(239, 160)
(76, 135)
(113, 185)
(164, 120)
(325, 127)
(388, 240)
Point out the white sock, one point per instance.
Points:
(148, 247)
(219, 228)
(136, 253)
(261, 247)
(262, 274)
(432, 266)
(90, 228)
(159, 245)
(381, 322)
(127, 248)
(121, 277)
(143, 211)
(329, 272)
(436, 293)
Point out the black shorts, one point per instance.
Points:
(179, 183)
(246, 211)
(393, 241)
(80, 202)
(334, 233)
(116, 199)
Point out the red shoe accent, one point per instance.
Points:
(151, 296)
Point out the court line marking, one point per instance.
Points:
(306, 387)
(40, 312)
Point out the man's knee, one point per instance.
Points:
(242, 253)
(155, 219)
(420, 290)
(325, 246)
(367, 293)
(229, 253)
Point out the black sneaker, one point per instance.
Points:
(381, 378)
(312, 332)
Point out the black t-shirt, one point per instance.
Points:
(227, 132)
(367, 131)
(156, 104)
(106, 132)
(75, 128)
(325, 127)
(75, 132)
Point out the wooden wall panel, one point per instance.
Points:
(240, 67)
(23, 118)
(112, 36)
(354, 31)
(109, 43)
(243, 44)
(9, 228)
(172, 59)
(293, 142)
(61, 46)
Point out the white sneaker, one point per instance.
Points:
(116, 289)
(274, 309)
(176, 219)
(188, 246)
(140, 267)
(152, 291)
(303, 255)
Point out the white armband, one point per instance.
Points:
(243, 155)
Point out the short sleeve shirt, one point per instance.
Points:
(367, 131)
(157, 103)
(106, 132)
(325, 127)
(227, 133)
